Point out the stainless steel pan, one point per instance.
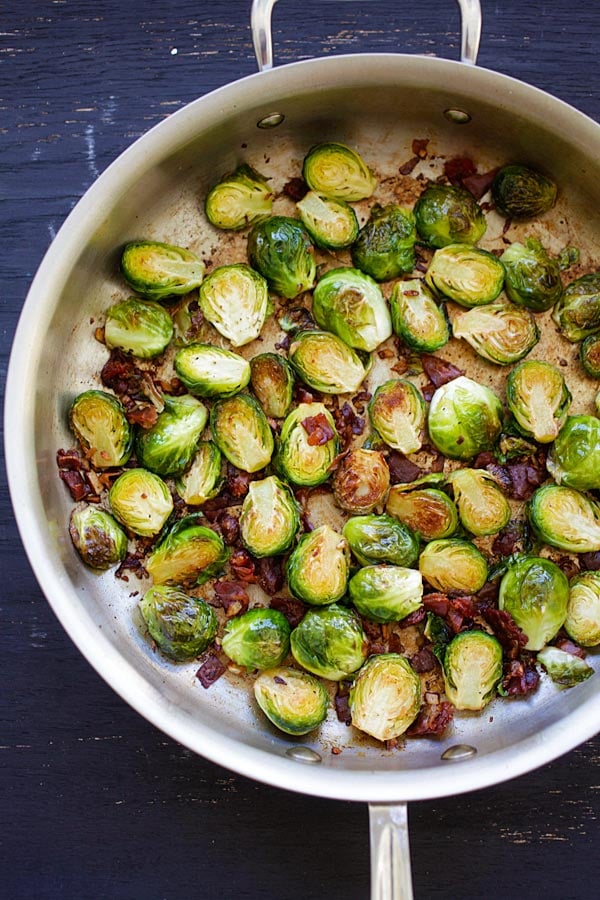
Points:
(378, 103)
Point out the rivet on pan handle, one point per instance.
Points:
(390, 852)
(260, 19)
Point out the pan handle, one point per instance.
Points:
(390, 852)
(260, 20)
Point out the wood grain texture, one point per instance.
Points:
(97, 802)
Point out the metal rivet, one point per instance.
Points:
(270, 121)
(458, 752)
(303, 755)
(457, 116)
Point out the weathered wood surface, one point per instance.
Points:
(97, 803)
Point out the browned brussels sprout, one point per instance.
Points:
(531, 278)
(577, 313)
(281, 250)
(272, 380)
(397, 413)
(361, 480)
(100, 542)
(99, 423)
(429, 512)
(385, 247)
(189, 553)
(522, 193)
(158, 271)
(589, 354)
(338, 172)
(448, 215)
(239, 199)
(182, 627)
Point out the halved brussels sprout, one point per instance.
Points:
(482, 507)
(574, 457)
(327, 364)
(349, 303)
(416, 317)
(385, 697)
(141, 501)
(270, 518)
(583, 609)
(99, 423)
(564, 668)
(577, 313)
(386, 593)
(589, 354)
(241, 432)
(538, 398)
(281, 250)
(465, 274)
(98, 539)
(189, 553)
(210, 371)
(329, 642)
(522, 193)
(332, 224)
(272, 380)
(158, 271)
(239, 199)
(531, 278)
(361, 480)
(535, 592)
(181, 626)
(295, 702)
(397, 413)
(202, 481)
(453, 564)
(385, 247)
(235, 300)
(472, 669)
(338, 172)
(564, 518)
(168, 446)
(139, 327)
(258, 639)
(448, 215)
(318, 568)
(500, 332)
(381, 539)
(465, 418)
(308, 444)
(428, 512)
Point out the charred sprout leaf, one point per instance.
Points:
(98, 539)
(564, 668)
(99, 423)
(188, 322)
(428, 512)
(181, 626)
(568, 257)
(270, 518)
(589, 354)
(308, 445)
(210, 371)
(531, 278)
(538, 398)
(327, 364)
(535, 592)
(258, 639)
(448, 215)
(397, 413)
(293, 701)
(522, 193)
(338, 172)
(158, 271)
(482, 507)
(361, 480)
(467, 275)
(512, 447)
(139, 327)
(583, 610)
(332, 224)
(439, 633)
(385, 697)
(472, 669)
(168, 446)
(281, 250)
(465, 418)
(453, 564)
(318, 568)
(577, 313)
(381, 539)
(500, 332)
(272, 380)
(239, 199)
(416, 317)
(235, 300)
(241, 432)
(351, 304)
(565, 518)
(574, 458)
(297, 318)
(203, 480)
(189, 554)
(141, 501)
(329, 642)
(385, 247)
(385, 593)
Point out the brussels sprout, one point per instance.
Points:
(293, 701)
(465, 418)
(386, 593)
(564, 518)
(239, 199)
(235, 299)
(258, 639)
(381, 539)
(272, 380)
(338, 172)
(482, 507)
(577, 313)
(308, 445)
(452, 564)
(538, 398)
(202, 481)
(448, 215)
(158, 271)
(589, 354)
(385, 247)
(210, 371)
(583, 609)
(241, 432)
(99, 423)
(564, 668)
(361, 480)
(318, 568)
(428, 512)
(416, 317)
(189, 553)
(397, 413)
(139, 327)
(531, 278)
(467, 275)
(281, 250)
(168, 446)
(98, 539)
(522, 193)
(181, 626)
(141, 501)
(329, 642)
(472, 669)
(351, 304)
(574, 458)
(499, 332)
(332, 224)
(270, 518)
(327, 364)
(385, 697)
(535, 592)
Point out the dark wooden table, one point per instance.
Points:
(96, 802)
